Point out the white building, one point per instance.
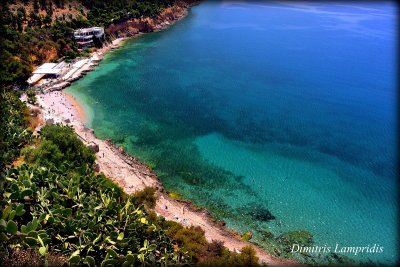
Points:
(84, 36)
(47, 70)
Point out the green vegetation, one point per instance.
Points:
(146, 197)
(56, 204)
(193, 241)
(59, 145)
(21, 49)
(31, 94)
(14, 133)
(175, 195)
(247, 236)
(107, 12)
(77, 213)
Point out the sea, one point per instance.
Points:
(275, 116)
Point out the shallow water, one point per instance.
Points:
(249, 108)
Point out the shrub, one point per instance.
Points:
(64, 145)
(146, 197)
(31, 94)
(248, 256)
(79, 215)
(247, 236)
(30, 257)
(175, 195)
(13, 133)
(47, 154)
(214, 251)
(190, 239)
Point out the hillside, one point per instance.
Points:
(47, 12)
(36, 31)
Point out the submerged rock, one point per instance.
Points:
(301, 237)
(258, 213)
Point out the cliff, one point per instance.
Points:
(148, 24)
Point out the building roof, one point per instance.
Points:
(89, 30)
(80, 63)
(48, 68)
(35, 78)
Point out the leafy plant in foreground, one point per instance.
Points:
(68, 209)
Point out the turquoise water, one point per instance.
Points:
(276, 117)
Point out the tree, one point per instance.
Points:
(35, 6)
(35, 20)
(97, 42)
(31, 94)
(21, 13)
(47, 19)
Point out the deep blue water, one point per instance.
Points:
(249, 107)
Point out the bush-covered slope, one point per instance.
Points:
(14, 133)
(59, 205)
(56, 209)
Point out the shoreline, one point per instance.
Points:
(81, 66)
(80, 111)
(131, 174)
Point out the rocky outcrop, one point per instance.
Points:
(143, 25)
(94, 147)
